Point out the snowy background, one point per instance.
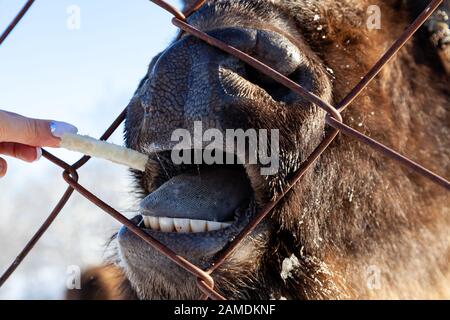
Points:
(53, 68)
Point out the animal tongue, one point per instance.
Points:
(212, 194)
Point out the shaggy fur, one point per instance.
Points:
(355, 211)
(105, 282)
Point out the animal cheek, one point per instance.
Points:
(133, 122)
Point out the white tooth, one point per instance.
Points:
(182, 225)
(146, 222)
(225, 224)
(198, 225)
(212, 225)
(166, 224)
(154, 222)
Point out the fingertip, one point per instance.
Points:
(3, 167)
(26, 153)
(38, 154)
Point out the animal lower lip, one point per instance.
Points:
(182, 225)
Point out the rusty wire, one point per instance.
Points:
(204, 278)
(16, 20)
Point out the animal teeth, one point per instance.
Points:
(181, 225)
(225, 224)
(147, 222)
(212, 225)
(166, 224)
(154, 223)
(198, 225)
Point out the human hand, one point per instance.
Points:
(22, 137)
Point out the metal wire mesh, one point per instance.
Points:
(334, 120)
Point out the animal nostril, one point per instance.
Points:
(275, 89)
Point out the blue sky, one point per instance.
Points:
(84, 76)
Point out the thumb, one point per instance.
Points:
(32, 132)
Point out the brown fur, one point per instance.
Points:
(355, 210)
(105, 282)
(379, 213)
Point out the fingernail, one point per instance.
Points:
(58, 128)
(38, 154)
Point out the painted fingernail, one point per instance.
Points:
(58, 128)
(38, 154)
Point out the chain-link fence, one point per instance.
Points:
(334, 120)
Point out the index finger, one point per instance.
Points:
(32, 132)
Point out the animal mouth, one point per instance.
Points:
(196, 211)
(200, 200)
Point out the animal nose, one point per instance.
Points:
(185, 84)
(193, 81)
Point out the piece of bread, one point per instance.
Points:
(105, 150)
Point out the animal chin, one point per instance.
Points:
(195, 211)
